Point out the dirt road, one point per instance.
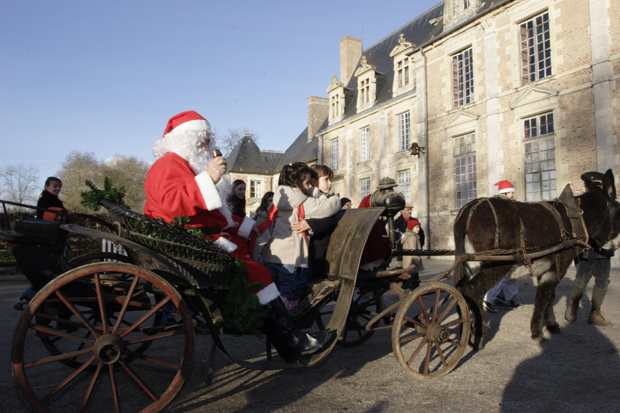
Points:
(576, 371)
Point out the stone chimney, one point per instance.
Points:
(318, 110)
(350, 53)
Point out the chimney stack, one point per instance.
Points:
(350, 53)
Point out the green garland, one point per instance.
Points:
(243, 313)
(91, 197)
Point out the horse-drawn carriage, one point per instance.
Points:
(120, 335)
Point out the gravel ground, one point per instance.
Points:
(576, 371)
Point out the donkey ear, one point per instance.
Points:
(609, 185)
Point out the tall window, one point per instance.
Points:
(403, 131)
(535, 48)
(402, 73)
(404, 184)
(365, 91)
(539, 146)
(365, 144)
(335, 163)
(463, 78)
(256, 189)
(365, 187)
(465, 169)
(335, 106)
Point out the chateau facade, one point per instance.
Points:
(517, 90)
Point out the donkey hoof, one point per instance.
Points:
(554, 329)
(537, 337)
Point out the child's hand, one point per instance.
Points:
(300, 226)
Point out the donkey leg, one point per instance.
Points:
(474, 295)
(543, 308)
(550, 322)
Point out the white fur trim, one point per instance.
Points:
(246, 228)
(209, 192)
(268, 294)
(505, 190)
(228, 245)
(197, 124)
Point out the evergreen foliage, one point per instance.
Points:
(91, 198)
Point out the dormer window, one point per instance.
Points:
(403, 66)
(336, 100)
(366, 85)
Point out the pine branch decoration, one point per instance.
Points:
(91, 197)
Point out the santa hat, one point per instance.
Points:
(505, 186)
(189, 120)
(412, 224)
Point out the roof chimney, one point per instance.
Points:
(318, 109)
(350, 53)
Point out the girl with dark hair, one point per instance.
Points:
(261, 212)
(236, 200)
(286, 253)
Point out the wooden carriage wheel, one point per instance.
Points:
(431, 330)
(364, 307)
(105, 314)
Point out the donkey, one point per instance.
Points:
(543, 239)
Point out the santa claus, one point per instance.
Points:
(189, 179)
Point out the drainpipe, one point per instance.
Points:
(425, 158)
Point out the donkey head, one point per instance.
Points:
(601, 212)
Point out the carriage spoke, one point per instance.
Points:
(117, 406)
(77, 313)
(59, 357)
(153, 360)
(126, 302)
(423, 309)
(165, 334)
(62, 334)
(140, 383)
(414, 322)
(427, 359)
(441, 355)
(90, 387)
(415, 337)
(417, 350)
(102, 312)
(66, 381)
(148, 314)
(447, 310)
(436, 304)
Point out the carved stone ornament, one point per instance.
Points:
(334, 84)
(403, 45)
(364, 67)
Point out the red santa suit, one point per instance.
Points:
(173, 189)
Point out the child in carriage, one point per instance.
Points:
(286, 252)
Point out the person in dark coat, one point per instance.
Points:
(49, 197)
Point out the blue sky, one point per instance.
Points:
(104, 77)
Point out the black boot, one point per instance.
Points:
(290, 341)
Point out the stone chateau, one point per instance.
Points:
(469, 93)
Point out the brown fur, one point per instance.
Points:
(477, 223)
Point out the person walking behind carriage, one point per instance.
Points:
(593, 262)
(506, 292)
(188, 179)
(286, 252)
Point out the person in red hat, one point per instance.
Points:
(189, 179)
(506, 292)
(411, 241)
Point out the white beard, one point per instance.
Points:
(187, 146)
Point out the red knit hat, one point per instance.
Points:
(412, 224)
(187, 120)
(505, 186)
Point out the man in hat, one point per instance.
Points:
(506, 292)
(188, 179)
(593, 262)
(405, 217)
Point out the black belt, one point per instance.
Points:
(210, 230)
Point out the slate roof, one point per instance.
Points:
(416, 31)
(247, 158)
(301, 151)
